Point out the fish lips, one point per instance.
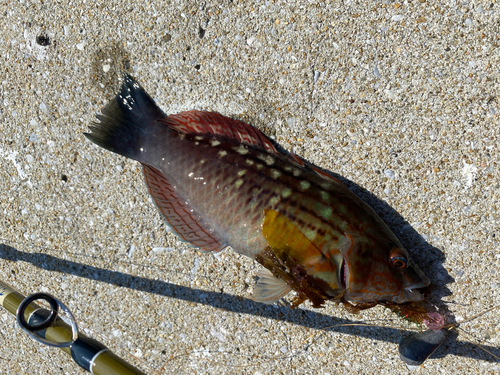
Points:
(414, 279)
(412, 295)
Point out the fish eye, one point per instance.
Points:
(399, 261)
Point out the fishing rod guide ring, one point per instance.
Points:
(54, 309)
(34, 329)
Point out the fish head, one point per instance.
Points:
(381, 271)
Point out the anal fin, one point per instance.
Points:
(269, 289)
(180, 215)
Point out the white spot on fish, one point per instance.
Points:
(198, 138)
(286, 192)
(274, 200)
(242, 150)
(214, 142)
(275, 174)
(268, 159)
(242, 172)
(202, 161)
(326, 185)
(326, 212)
(222, 153)
(238, 182)
(296, 172)
(191, 174)
(304, 185)
(249, 161)
(142, 149)
(196, 143)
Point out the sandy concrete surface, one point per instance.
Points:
(401, 99)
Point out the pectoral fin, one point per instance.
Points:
(269, 289)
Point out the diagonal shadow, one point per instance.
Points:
(224, 301)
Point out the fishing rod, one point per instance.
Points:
(48, 327)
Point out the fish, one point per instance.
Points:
(220, 182)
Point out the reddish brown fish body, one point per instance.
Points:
(220, 182)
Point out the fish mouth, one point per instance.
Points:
(413, 295)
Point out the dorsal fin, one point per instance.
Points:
(302, 162)
(179, 214)
(203, 122)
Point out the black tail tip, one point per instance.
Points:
(130, 82)
(125, 120)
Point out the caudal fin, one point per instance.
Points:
(126, 121)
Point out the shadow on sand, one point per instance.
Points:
(425, 255)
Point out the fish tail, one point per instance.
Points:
(127, 121)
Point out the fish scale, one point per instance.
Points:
(220, 182)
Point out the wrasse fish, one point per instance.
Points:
(219, 182)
